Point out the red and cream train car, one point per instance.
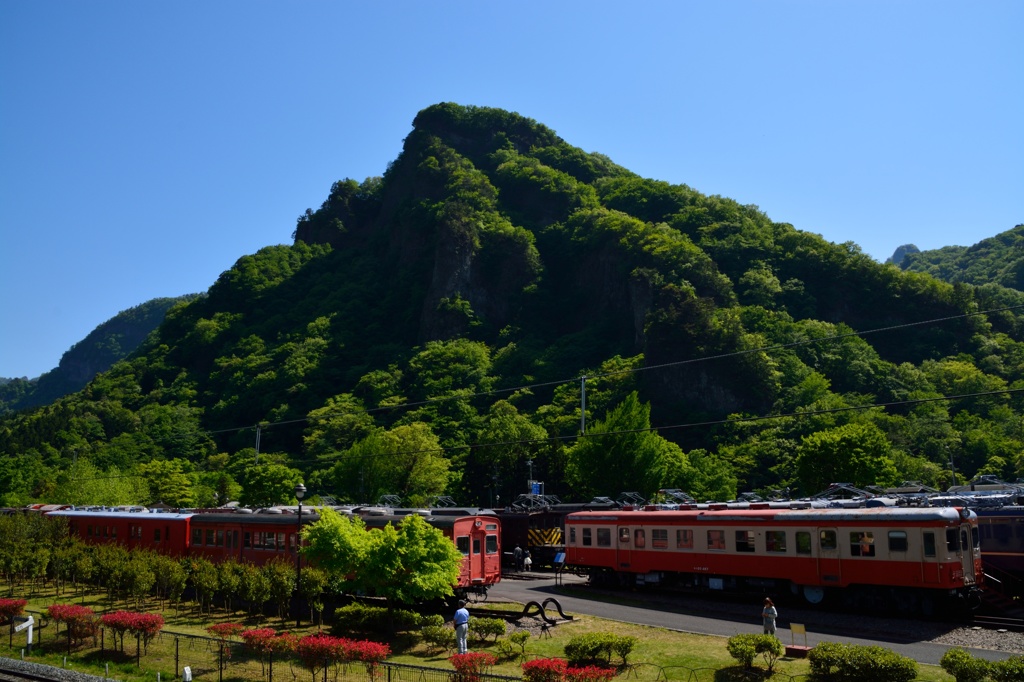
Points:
(906, 559)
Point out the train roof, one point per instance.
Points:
(876, 514)
(139, 513)
(254, 519)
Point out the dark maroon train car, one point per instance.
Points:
(255, 538)
(164, 532)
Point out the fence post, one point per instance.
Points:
(270, 668)
(221, 666)
(138, 650)
(175, 655)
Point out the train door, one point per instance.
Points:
(829, 565)
(930, 565)
(966, 553)
(476, 558)
(624, 551)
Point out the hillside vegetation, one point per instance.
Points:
(113, 340)
(438, 330)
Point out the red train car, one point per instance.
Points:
(164, 532)
(255, 538)
(879, 557)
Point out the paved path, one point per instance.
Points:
(727, 618)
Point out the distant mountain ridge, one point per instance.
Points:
(111, 341)
(996, 260)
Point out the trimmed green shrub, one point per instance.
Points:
(746, 647)
(365, 618)
(1009, 670)
(598, 647)
(482, 628)
(438, 637)
(853, 663)
(432, 619)
(963, 666)
(514, 646)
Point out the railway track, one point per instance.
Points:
(13, 670)
(999, 623)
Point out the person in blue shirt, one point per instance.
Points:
(461, 627)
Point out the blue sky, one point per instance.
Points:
(145, 146)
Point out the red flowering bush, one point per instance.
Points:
(9, 608)
(144, 625)
(545, 670)
(259, 640)
(319, 651)
(469, 667)
(285, 642)
(225, 631)
(590, 673)
(79, 620)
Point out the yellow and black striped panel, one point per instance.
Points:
(540, 537)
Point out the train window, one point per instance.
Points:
(639, 538)
(659, 538)
(232, 539)
(803, 542)
(965, 542)
(572, 535)
(491, 544)
(684, 539)
(586, 537)
(975, 538)
(716, 539)
(209, 537)
(929, 544)
(88, 531)
(197, 537)
(897, 541)
(827, 539)
(951, 540)
(462, 543)
(220, 538)
(476, 545)
(624, 535)
(269, 541)
(744, 541)
(156, 535)
(281, 544)
(491, 526)
(604, 537)
(775, 541)
(862, 544)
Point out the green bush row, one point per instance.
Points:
(746, 647)
(966, 668)
(835, 662)
(598, 647)
(364, 618)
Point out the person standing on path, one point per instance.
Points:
(768, 615)
(461, 627)
(517, 554)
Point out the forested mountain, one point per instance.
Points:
(438, 330)
(997, 260)
(97, 352)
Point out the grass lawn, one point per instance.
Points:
(657, 649)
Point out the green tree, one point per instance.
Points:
(621, 453)
(412, 563)
(169, 481)
(407, 460)
(858, 454)
(339, 545)
(264, 485)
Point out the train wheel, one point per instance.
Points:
(813, 594)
